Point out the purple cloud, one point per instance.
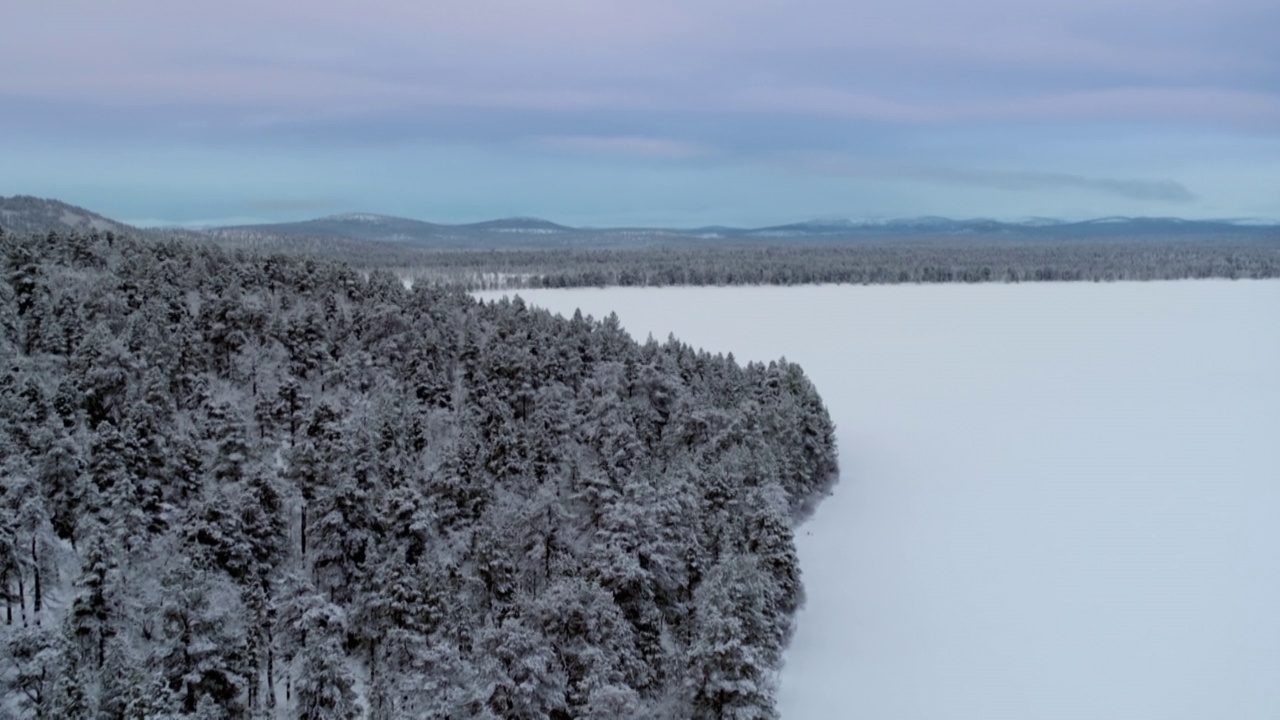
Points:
(1208, 106)
(1024, 181)
(629, 145)
(1093, 59)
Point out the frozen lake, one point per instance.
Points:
(1057, 501)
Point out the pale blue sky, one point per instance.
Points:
(678, 112)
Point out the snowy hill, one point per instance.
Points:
(25, 214)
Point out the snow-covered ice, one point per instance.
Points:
(1058, 501)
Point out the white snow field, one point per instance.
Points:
(1057, 501)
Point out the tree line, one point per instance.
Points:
(897, 262)
(1247, 253)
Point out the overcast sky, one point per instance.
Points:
(676, 112)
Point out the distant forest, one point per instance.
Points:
(1246, 253)
(236, 485)
(881, 262)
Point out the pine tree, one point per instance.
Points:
(37, 656)
(731, 658)
(91, 618)
(325, 685)
(202, 651)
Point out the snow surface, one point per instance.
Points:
(1058, 501)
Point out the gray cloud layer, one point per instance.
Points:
(1157, 190)
(938, 93)
(908, 61)
(1167, 191)
(290, 205)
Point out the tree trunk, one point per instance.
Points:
(271, 670)
(22, 599)
(255, 677)
(35, 568)
(373, 674)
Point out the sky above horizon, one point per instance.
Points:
(661, 112)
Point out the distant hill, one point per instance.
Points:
(417, 234)
(534, 226)
(355, 226)
(23, 214)
(361, 236)
(1031, 228)
(529, 233)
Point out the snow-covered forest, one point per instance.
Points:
(236, 486)
(897, 261)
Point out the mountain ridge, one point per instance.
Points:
(527, 232)
(27, 213)
(24, 214)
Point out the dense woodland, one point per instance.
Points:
(797, 261)
(244, 486)
(905, 260)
